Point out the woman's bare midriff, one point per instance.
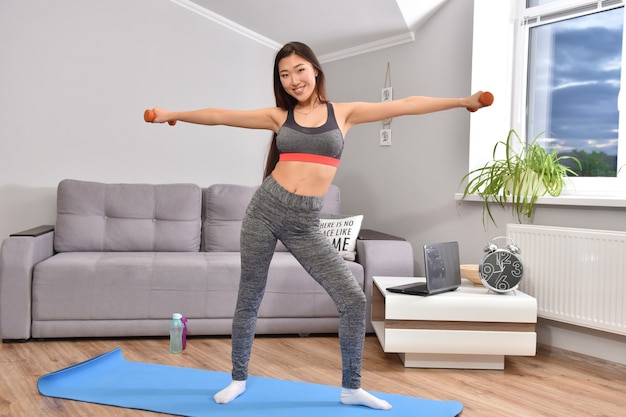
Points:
(304, 178)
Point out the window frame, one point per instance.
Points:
(502, 26)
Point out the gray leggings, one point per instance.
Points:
(275, 213)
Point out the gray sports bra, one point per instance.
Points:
(323, 144)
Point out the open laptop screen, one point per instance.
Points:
(442, 266)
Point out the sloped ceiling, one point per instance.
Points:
(335, 29)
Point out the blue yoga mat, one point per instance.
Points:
(112, 380)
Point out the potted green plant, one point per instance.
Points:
(526, 172)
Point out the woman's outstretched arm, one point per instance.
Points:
(362, 112)
(270, 118)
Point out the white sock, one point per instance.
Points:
(362, 397)
(232, 391)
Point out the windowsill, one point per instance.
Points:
(589, 200)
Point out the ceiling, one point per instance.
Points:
(335, 29)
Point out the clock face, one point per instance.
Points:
(501, 270)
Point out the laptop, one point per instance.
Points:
(443, 271)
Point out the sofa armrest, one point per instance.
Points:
(19, 254)
(388, 257)
(35, 231)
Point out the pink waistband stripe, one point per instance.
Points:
(307, 157)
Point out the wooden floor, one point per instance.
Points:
(549, 384)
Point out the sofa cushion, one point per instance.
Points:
(92, 286)
(127, 217)
(224, 208)
(342, 232)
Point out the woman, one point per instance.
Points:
(302, 162)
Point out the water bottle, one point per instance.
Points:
(176, 333)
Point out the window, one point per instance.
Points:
(574, 68)
(563, 62)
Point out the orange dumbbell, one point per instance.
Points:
(149, 117)
(486, 99)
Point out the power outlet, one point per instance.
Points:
(385, 137)
(386, 94)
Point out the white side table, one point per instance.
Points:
(470, 328)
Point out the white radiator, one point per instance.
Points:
(578, 276)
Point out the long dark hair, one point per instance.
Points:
(283, 99)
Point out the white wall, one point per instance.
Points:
(76, 77)
(408, 189)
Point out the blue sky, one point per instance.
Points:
(577, 81)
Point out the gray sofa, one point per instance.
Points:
(122, 258)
